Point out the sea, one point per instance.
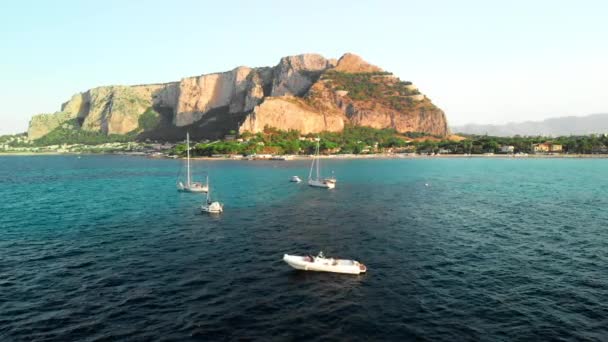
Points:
(103, 248)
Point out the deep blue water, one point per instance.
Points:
(105, 248)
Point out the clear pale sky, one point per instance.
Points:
(480, 61)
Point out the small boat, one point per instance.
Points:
(322, 264)
(327, 183)
(295, 179)
(190, 186)
(211, 207)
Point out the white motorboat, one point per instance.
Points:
(190, 185)
(295, 179)
(322, 264)
(211, 207)
(317, 182)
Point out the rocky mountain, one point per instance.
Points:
(567, 125)
(306, 92)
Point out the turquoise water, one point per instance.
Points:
(104, 247)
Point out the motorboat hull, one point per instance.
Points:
(318, 264)
(213, 208)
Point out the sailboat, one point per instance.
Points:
(190, 186)
(327, 183)
(210, 206)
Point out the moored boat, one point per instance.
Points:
(321, 184)
(190, 185)
(322, 264)
(295, 179)
(211, 207)
(318, 182)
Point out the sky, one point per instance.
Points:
(480, 61)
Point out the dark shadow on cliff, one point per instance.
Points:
(215, 124)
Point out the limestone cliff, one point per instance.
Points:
(295, 74)
(291, 113)
(110, 110)
(350, 91)
(306, 92)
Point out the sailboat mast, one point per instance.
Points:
(318, 161)
(188, 157)
(311, 167)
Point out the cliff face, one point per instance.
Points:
(288, 113)
(307, 92)
(110, 110)
(295, 74)
(239, 90)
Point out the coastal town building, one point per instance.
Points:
(507, 149)
(444, 151)
(547, 147)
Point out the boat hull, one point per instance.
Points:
(195, 190)
(213, 208)
(192, 188)
(321, 184)
(324, 265)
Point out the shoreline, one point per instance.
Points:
(332, 156)
(407, 156)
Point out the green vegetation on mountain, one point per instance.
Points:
(149, 120)
(381, 87)
(70, 133)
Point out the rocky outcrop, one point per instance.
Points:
(306, 92)
(115, 109)
(291, 113)
(421, 118)
(110, 110)
(354, 64)
(295, 74)
(42, 124)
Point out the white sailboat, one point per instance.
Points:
(190, 186)
(211, 207)
(327, 183)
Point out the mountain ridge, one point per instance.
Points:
(558, 126)
(306, 92)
